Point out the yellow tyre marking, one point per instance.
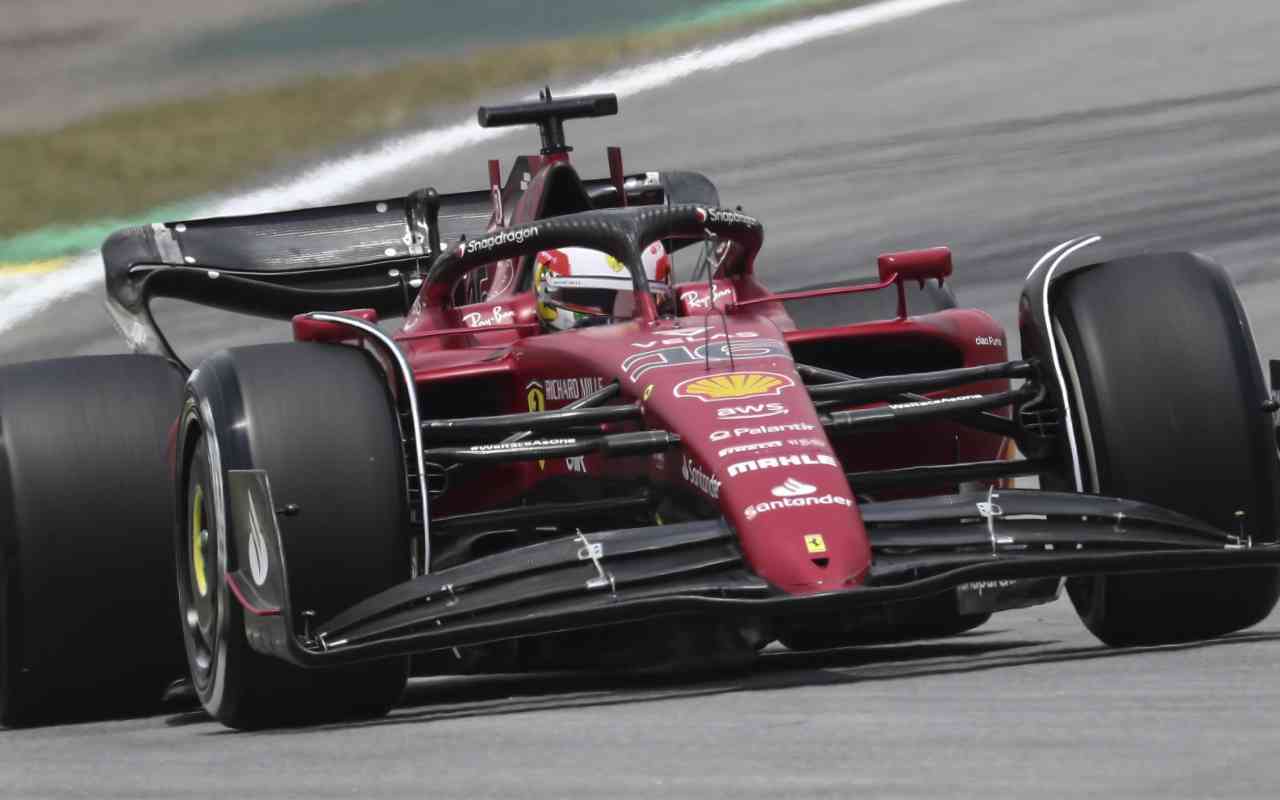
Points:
(197, 543)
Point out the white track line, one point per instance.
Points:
(331, 180)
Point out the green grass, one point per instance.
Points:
(126, 162)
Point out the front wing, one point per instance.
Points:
(923, 547)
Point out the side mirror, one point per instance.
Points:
(917, 265)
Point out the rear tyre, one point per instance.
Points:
(318, 419)
(86, 514)
(1168, 392)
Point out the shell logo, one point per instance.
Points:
(733, 386)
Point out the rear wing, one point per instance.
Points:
(357, 255)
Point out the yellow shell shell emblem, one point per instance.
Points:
(733, 386)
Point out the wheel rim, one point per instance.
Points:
(199, 585)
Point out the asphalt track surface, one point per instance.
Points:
(999, 128)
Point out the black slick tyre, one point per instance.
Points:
(86, 515)
(1168, 397)
(319, 420)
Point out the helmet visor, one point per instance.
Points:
(606, 296)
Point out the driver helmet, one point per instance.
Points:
(576, 286)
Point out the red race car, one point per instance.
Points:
(597, 439)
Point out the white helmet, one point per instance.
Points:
(577, 286)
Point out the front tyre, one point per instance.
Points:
(318, 419)
(1168, 394)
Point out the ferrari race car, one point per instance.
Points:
(658, 466)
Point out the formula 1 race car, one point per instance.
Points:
(653, 464)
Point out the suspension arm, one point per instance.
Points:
(535, 421)
(614, 444)
(871, 390)
(890, 416)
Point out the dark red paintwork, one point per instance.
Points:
(752, 444)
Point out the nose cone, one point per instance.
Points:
(753, 443)
(795, 516)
